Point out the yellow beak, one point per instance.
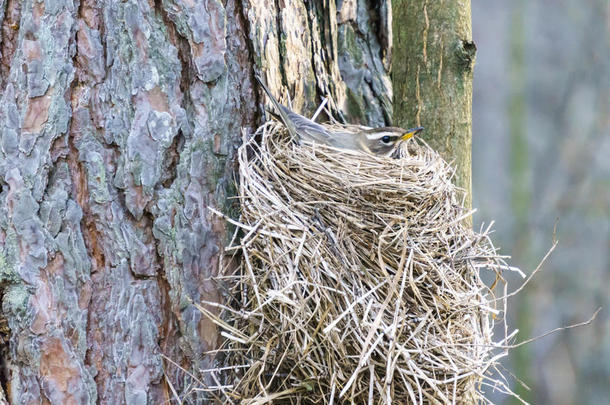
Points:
(410, 133)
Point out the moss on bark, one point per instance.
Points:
(432, 76)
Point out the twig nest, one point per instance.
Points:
(359, 281)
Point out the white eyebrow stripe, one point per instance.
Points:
(379, 135)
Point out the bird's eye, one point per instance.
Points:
(385, 139)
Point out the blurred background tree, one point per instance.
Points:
(541, 148)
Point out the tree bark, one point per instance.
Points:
(432, 77)
(119, 125)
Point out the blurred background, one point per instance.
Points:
(541, 155)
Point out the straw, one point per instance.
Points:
(359, 281)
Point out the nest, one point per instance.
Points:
(359, 281)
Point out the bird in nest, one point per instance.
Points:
(376, 141)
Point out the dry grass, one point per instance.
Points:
(359, 281)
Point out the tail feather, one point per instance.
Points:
(274, 115)
(283, 111)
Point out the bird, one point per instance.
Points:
(381, 141)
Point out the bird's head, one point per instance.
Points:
(383, 141)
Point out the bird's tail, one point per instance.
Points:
(283, 111)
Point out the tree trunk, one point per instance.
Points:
(432, 76)
(520, 192)
(119, 123)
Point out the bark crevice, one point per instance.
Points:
(172, 159)
(281, 44)
(312, 9)
(244, 23)
(9, 33)
(5, 336)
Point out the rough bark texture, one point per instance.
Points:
(119, 123)
(432, 76)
